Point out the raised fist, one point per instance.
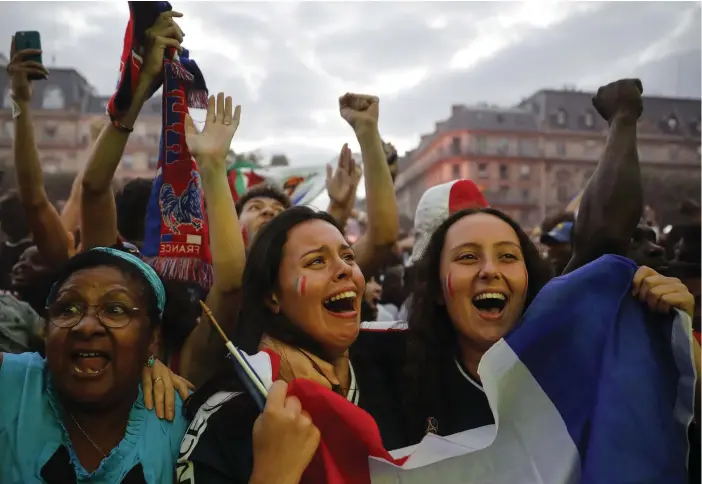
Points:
(620, 99)
(359, 110)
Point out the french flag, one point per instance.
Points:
(589, 388)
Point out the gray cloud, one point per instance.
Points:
(287, 63)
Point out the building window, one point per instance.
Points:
(456, 171)
(50, 131)
(153, 162)
(504, 192)
(563, 194)
(456, 146)
(51, 165)
(672, 123)
(503, 146)
(128, 161)
(504, 172)
(562, 176)
(525, 194)
(561, 117)
(560, 148)
(674, 152)
(482, 144)
(53, 98)
(524, 171)
(589, 119)
(482, 171)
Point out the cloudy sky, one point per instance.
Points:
(287, 63)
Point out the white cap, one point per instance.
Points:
(436, 205)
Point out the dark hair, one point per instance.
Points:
(431, 336)
(131, 203)
(181, 312)
(260, 279)
(12, 217)
(263, 190)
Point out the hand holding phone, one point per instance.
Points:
(25, 64)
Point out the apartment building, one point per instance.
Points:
(64, 107)
(532, 159)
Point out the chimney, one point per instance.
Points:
(457, 108)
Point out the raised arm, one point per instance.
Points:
(98, 210)
(361, 112)
(70, 215)
(341, 186)
(44, 221)
(203, 347)
(612, 203)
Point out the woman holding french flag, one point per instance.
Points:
(497, 330)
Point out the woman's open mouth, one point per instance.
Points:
(89, 363)
(342, 305)
(490, 305)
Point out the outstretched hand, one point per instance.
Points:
(20, 69)
(212, 144)
(342, 183)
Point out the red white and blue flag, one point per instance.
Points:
(589, 388)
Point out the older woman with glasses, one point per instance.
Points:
(79, 415)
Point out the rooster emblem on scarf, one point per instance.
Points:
(185, 209)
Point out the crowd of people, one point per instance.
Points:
(111, 372)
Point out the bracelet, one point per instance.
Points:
(119, 126)
(16, 110)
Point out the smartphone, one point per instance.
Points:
(29, 40)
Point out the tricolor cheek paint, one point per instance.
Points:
(300, 283)
(448, 288)
(245, 236)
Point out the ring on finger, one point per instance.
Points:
(157, 380)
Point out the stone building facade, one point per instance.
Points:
(64, 107)
(532, 159)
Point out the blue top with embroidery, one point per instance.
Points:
(32, 432)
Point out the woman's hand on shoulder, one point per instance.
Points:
(159, 385)
(662, 293)
(284, 439)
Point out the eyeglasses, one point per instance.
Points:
(110, 315)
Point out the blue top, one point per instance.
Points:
(31, 431)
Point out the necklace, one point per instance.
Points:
(97, 447)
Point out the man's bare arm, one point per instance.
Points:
(612, 203)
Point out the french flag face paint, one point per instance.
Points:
(300, 283)
(448, 288)
(245, 236)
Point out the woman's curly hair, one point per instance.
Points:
(432, 338)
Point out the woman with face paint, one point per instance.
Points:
(478, 275)
(302, 300)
